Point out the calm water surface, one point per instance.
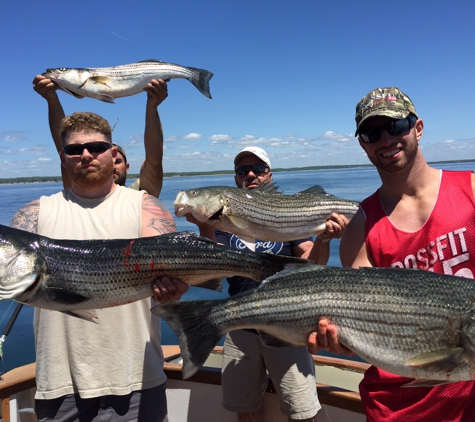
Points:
(353, 183)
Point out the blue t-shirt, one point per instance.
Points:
(239, 284)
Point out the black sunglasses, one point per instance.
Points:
(394, 128)
(256, 169)
(92, 147)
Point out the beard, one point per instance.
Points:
(119, 179)
(92, 179)
(409, 150)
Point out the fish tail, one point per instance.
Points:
(200, 79)
(197, 334)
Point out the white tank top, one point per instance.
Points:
(120, 353)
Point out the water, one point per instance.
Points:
(352, 183)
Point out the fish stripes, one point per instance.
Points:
(392, 318)
(263, 215)
(92, 274)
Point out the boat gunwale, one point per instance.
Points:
(23, 378)
(327, 394)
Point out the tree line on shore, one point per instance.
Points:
(52, 179)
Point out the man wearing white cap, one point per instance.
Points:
(246, 358)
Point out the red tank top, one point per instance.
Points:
(445, 244)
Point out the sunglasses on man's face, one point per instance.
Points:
(394, 128)
(257, 169)
(92, 147)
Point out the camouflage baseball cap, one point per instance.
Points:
(121, 150)
(391, 102)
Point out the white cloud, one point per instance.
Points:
(220, 139)
(193, 137)
(12, 136)
(36, 150)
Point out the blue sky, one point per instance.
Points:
(287, 76)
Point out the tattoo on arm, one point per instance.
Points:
(26, 217)
(162, 221)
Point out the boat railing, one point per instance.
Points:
(337, 383)
(16, 405)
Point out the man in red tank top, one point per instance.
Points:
(420, 217)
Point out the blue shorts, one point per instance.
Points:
(139, 406)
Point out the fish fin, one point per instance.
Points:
(106, 98)
(238, 222)
(150, 60)
(86, 314)
(425, 383)
(71, 92)
(292, 267)
(443, 360)
(272, 341)
(100, 79)
(65, 297)
(197, 333)
(200, 79)
(467, 333)
(268, 187)
(317, 189)
(215, 284)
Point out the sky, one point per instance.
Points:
(287, 76)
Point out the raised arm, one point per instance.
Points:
(47, 89)
(151, 172)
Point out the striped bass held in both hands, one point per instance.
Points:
(413, 323)
(107, 83)
(262, 213)
(74, 275)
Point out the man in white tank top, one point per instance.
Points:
(113, 369)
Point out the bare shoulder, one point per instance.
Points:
(26, 218)
(353, 242)
(473, 183)
(156, 218)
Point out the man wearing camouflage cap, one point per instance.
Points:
(400, 226)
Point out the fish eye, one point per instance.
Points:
(62, 69)
(193, 192)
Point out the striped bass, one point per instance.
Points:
(413, 323)
(262, 213)
(72, 275)
(108, 83)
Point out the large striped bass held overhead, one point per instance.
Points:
(108, 83)
(262, 213)
(73, 275)
(414, 323)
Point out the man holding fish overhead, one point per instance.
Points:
(114, 365)
(423, 218)
(246, 358)
(151, 171)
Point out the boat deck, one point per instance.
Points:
(199, 397)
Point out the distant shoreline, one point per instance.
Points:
(54, 179)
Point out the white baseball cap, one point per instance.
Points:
(258, 152)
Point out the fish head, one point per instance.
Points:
(21, 267)
(69, 79)
(205, 204)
